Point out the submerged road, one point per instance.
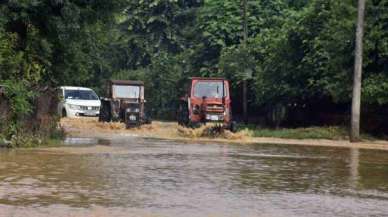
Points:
(144, 177)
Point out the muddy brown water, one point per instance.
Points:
(143, 177)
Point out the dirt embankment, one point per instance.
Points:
(90, 127)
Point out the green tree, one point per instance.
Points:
(50, 43)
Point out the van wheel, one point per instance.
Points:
(64, 113)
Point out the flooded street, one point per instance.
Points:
(143, 177)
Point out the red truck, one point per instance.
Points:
(206, 100)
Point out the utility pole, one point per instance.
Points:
(356, 99)
(245, 83)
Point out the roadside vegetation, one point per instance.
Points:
(44, 44)
(334, 133)
(324, 132)
(299, 58)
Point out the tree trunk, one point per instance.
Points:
(245, 34)
(356, 99)
(245, 101)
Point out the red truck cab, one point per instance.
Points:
(206, 100)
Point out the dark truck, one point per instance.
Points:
(206, 100)
(124, 102)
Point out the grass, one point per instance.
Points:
(327, 132)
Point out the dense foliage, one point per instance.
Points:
(48, 43)
(298, 52)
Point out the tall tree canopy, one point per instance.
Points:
(56, 41)
(299, 52)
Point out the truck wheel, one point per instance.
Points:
(233, 127)
(104, 113)
(183, 115)
(146, 119)
(194, 125)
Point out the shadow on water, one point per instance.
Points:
(164, 178)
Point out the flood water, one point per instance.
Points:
(141, 177)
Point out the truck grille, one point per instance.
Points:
(215, 107)
(92, 108)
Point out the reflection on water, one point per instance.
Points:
(85, 141)
(160, 178)
(354, 164)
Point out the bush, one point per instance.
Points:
(330, 132)
(31, 115)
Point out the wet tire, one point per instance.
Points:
(64, 113)
(105, 115)
(194, 125)
(146, 119)
(233, 127)
(183, 114)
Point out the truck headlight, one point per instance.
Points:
(136, 110)
(76, 107)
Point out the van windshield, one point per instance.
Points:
(81, 94)
(122, 91)
(209, 89)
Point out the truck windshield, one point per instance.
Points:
(209, 89)
(81, 94)
(122, 91)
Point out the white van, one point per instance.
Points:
(78, 101)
